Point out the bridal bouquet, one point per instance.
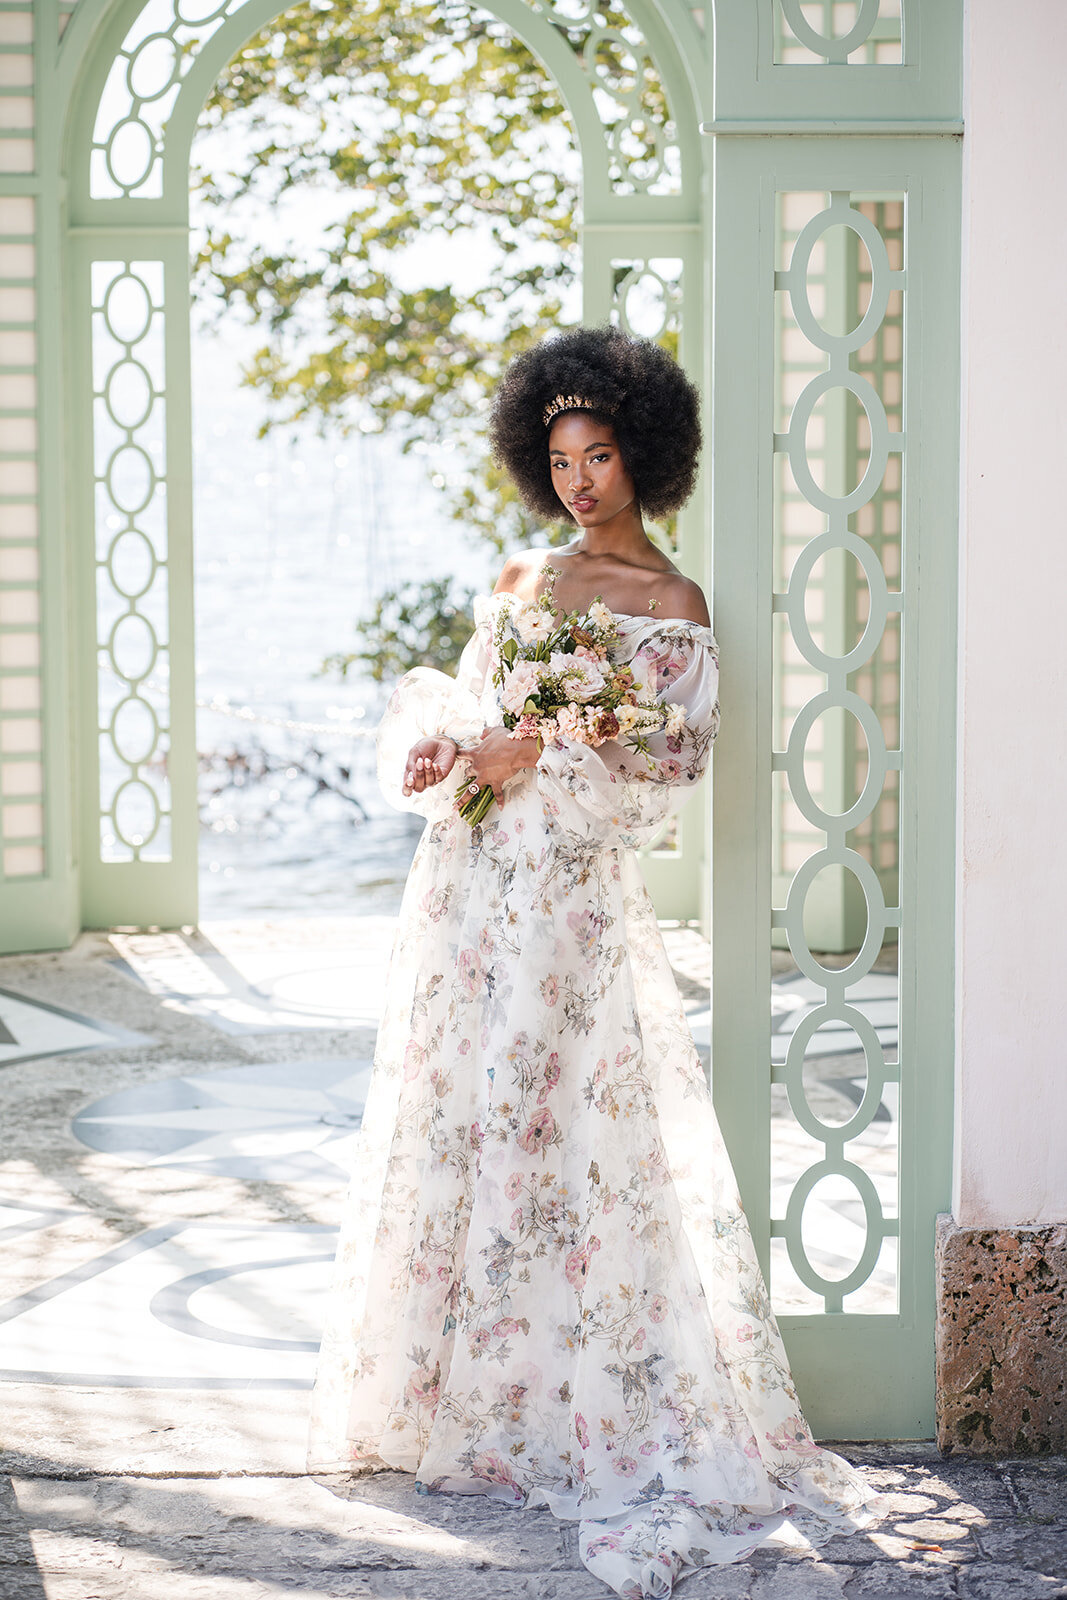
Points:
(556, 677)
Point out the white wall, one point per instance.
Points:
(1011, 1067)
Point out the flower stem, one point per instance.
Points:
(474, 809)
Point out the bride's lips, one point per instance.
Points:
(583, 502)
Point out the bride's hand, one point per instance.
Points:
(428, 762)
(496, 758)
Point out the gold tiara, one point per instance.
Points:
(567, 402)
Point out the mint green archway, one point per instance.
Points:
(787, 190)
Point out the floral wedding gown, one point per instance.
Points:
(546, 1289)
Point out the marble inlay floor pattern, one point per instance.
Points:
(278, 1122)
(187, 1305)
(32, 1030)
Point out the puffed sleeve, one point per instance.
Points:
(617, 793)
(427, 702)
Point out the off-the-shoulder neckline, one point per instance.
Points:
(620, 616)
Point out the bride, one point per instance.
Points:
(546, 1290)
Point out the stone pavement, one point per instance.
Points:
(176, 1110)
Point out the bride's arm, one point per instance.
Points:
(429, 713)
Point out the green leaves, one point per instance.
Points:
(425, 120)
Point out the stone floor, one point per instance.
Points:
(177, 1112)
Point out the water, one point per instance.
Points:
(293, 543)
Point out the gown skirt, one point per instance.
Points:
(546, 1290)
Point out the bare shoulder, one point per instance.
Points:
(681, 597)
(520, 572)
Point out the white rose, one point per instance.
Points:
(532, 623)
(600, 616)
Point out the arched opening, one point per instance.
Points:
(130, 141)
(385, 203)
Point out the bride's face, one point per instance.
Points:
(587, 469)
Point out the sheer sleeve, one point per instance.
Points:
(618, 793)
(427, 702)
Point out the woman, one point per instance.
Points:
(546, 1289)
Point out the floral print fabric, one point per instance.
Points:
(545, 1288)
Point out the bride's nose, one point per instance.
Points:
(579, 477)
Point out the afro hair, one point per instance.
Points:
(633, 384)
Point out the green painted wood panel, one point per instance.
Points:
(835, 1351)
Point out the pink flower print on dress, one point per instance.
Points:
(424, 1387)
(414, 1056)
(478, 1340)
(657, 1308)
(576, 1266)
(550, 989)
(491, 1466)
(505, 1326)
(581, 1430)
(625, 1466)
(471, 972)
(792, 1437)
(552, 1068)
(513, 1187)
(538, 1132)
